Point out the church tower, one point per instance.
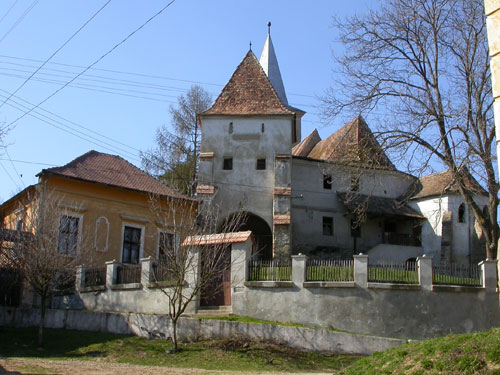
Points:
(245, 157)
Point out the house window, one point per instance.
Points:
(461, 213)
(261, 164)
(327, 182)
(327, 226)
(228, 164)
(355, 229)
(354, 184)
(230, 128)
(165, 246)
(68, 234)
(131, 245)
(19, 224)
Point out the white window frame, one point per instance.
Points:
(107, 234)
(79, 234)
(143, 234)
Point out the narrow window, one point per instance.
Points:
(355, 229)
(165, 246)
(68, 234)
(228, 164)
(327, 182)
(461, 213)
(19, 224)
(230, 127)
(262, 128)
(261, 164)
(131, 245)
(327, 226)
(354, 184)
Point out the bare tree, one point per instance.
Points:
(425, 63)
(192, 256)
(175, 156)
(47, 250)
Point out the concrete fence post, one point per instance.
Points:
(299, 269)
(80, 277)
(489, 275)
(111, 267)
(192, 275)
(424, 265)
(361, 270)
(146, 270)
(240, 255)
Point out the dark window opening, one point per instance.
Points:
(262, 128)
(166, 246)
(228, 164)
(461, 213)
(354, 184)
(327, 226)
(230, 127)
(68, 234)
(355, 229)
(261, 164)
(131, 245)
(327, 182)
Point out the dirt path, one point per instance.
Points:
(46, 367)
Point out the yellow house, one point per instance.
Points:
(104, 205)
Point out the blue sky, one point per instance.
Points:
(128, 94)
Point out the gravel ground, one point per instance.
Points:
(47, 367)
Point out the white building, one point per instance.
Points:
(331, 198)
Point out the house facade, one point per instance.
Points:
(329, 198)
(103, 204)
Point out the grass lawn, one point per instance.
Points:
(471, 354)
(210, 355)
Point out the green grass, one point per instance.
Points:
(247, 319)
(453, 280)
(329, 273)
(385, 275)
(211, 355)
(271, 274)
(471, 354)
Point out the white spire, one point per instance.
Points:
(269, 63)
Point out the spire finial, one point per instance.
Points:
(269, 27)
(250, 45)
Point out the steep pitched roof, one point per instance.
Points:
(269, 63)
(249, 92)
(304, 148)
(111, 170)
(353, 143)
(443, 183)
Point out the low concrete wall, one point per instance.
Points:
(159, 326)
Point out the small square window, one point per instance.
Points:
(327, 182)
(327, 226)
(228, 164)
(261, 164)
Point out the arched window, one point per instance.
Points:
(461, 213)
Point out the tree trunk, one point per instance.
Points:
(42, 320)
(174, 337)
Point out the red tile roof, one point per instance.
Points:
(353, 143)
(305, 147)
(216, 239)
(112, 170)
(443, 183)
(249, 92)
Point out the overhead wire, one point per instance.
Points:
(57, 51)
(8, 10)
(94, 63)
(19, 20)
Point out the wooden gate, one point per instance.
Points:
(217, 292)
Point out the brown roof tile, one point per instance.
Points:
(353, 143)
(305, 147)
(442, 183)
(114, 171)
(249, 92)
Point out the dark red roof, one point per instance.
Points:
(249, 92)
(114, 171)
(304, 148)
(444, 183)
(352, 143)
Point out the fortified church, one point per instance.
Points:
(333, 197)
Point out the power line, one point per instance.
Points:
(19, 20)
(95, 62)
(8, 174)
(8, 11)
(56, 51)
(30, 162)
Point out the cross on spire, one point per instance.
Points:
(269, 27)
